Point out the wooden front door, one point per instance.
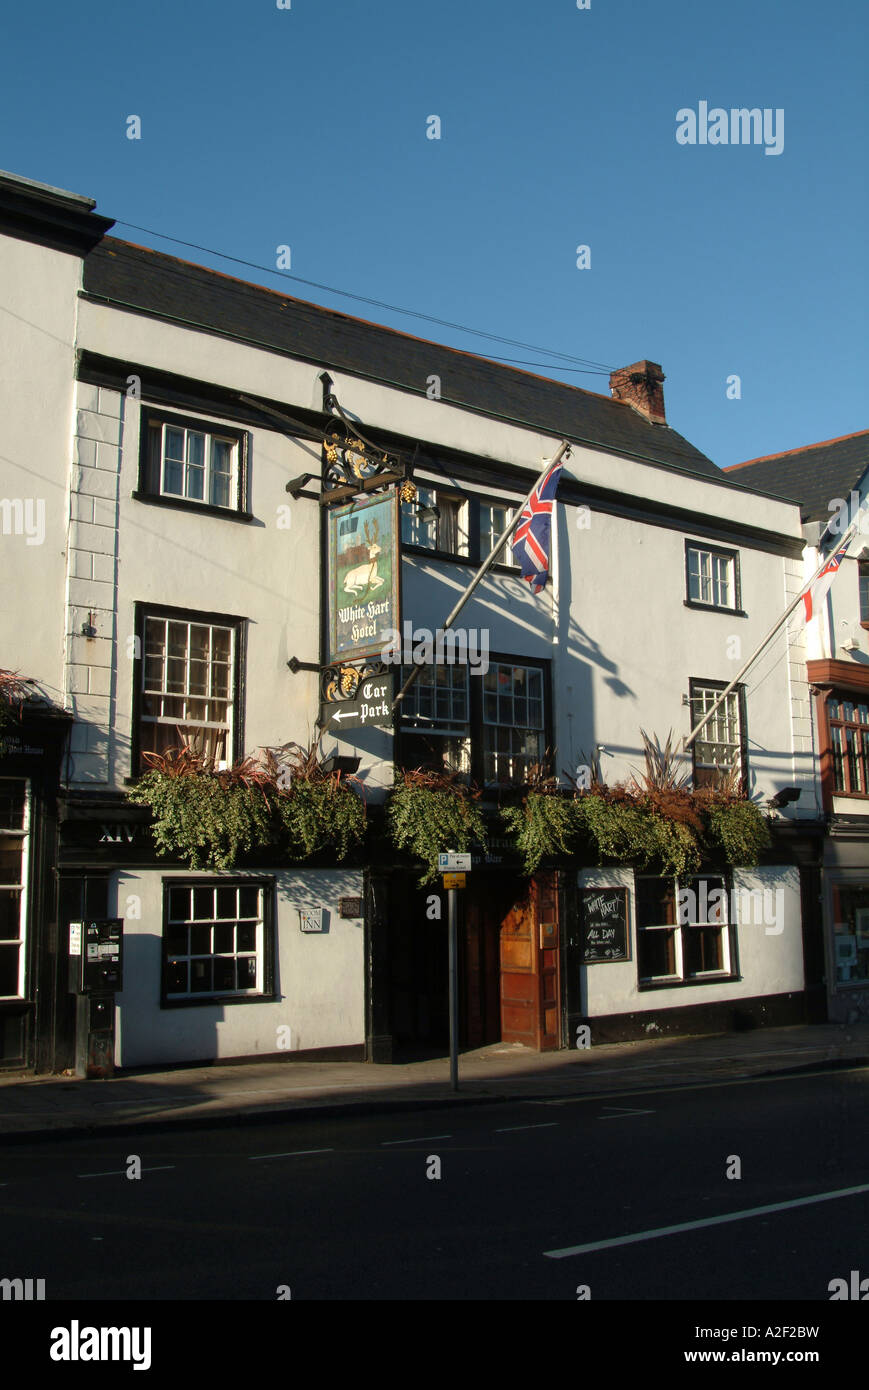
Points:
(530, 970)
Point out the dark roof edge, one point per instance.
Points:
(49, 216)
(169, 389)
(803, 449)
(554, 432)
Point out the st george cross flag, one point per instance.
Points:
(530, 543)
(818, 590)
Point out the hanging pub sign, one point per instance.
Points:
(363, 577)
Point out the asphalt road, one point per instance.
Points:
(343, 1208)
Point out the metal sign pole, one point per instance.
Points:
(454, 987)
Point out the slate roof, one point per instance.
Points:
(137, 277)
(813, 475)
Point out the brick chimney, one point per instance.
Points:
(642, 386)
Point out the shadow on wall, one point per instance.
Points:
(188, 1028)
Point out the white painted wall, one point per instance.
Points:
(770, 962)
(37, 326)
(320, 977)
(622, 642)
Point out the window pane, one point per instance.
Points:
(656, 902)
(224, 973)
(219, 490)
(703, 950)
(177, 943)
(11, 859)
(179, 904)
(224, 938)
(248, 902)
(245, 936)
(9, 970)
(657, 953)
(10, 916)
(200, 941)
(247, 972)
(196, 450)
(200, 977)
(203, 903)
(226, 902)
(176, 981)
(173, 478)
(12, 802)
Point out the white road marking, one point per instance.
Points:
(707, 1221)
(425, 1139)
(678, 1087)
(550, 1124)
(122, 1172)
(622, 1112)
(294, 1153)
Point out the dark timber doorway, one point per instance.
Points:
(509, 962)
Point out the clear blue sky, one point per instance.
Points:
(307, 127)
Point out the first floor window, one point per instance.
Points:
(711, 577)
(215, 936)
(436, 520)
(14, 858)
(494, 520)
(513, 728)
(189, 683)
(490, 727)
(436, 720)
(192, 462)
(718, 751)
(682, 929)
(849, 738)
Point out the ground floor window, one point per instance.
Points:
(14, 860)
(851, 933)
(683, 929)
(217, 939)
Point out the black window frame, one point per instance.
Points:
(736, 610)
(840, 761)
(475, 555)
(863, 590)
(695, 682)
(265, 882)
(476, 723)
(148, 488)
(144, 610)
(648, 983)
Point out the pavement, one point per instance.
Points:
(232, 1093)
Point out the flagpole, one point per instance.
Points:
(562, 452)
(769, 636)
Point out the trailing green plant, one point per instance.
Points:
(282, 800)
(655, 820)
(545, 824)
(430, 812)
(740, 829)
(632, 830)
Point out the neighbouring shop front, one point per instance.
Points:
(32, 742)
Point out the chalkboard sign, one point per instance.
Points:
(605, 925)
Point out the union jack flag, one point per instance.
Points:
(530, 543)
(816, 591)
